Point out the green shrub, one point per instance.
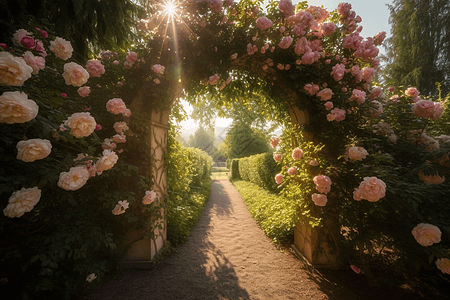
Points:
(259, 169)
(274, 214)
(188, 188)
(235, 169)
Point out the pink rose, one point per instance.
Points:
(358, 96)
(292, 171)
(95, 68)
(423, 108)
(35, 62)
(279, 178)
(131, 57)
(215, 6)
(412, 92)
(311, 88)
(357, 153)
(214, 79)
(443, 264)
(149, 198)
(371, 189)
(28, 42)
(263, 23)
(328, 105)
(338, 71)
(274, 141)
(367, 74)
(433, 179)
(158, 69)
(313, 163)
(319, 199)
(277, 157)
(116, 106)
(108, 144)
(328, 28)
(323, 183)
(297, 153)
(377, 93)
(426, 234)
(84, 91)
(120, 127)
(120, 138)
(286, 42)
(286, 7)
(325, 94)
(127, 113)
(107, 161)
(336, 114)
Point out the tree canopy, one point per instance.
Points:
(418, 53)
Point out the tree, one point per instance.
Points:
(91, 24)
(204, 139)
(242, 141)
(418, 53)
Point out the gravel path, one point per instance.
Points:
(229, 257)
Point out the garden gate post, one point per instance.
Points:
(158, 126)
(319, 245)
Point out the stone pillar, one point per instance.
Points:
(158, 125)
(319, 245)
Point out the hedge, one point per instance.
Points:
(259, 169)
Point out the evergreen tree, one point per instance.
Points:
(418, 53)
(204, 139)
(242, 141)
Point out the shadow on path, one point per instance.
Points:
(199, 270)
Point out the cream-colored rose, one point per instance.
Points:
(426, 234)
(107, 161)
(33, 149)
(74, 179)
(443, 264)
(81, 124)
(371, 189)
(91, 277)
(149, 197)
(357, 153)
(15, 107)
(22, 201)
(13, 70)
(35, 62)
(62, 48)
(74, 74)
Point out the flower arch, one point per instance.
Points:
(316, 73)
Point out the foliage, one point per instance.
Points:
(242, 140)
(273, 213)
(418, 53)
(48, 252)
(188, 188)
(259, 169)
(204, 140)
(87, 23)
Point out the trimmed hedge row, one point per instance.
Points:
(188, 188)
(259, 169)
(274, 214)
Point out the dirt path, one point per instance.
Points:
(227, 257)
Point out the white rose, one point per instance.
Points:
(81, 124)
(91, 277)
(149, 197)
(14, 71)
(62, 48)
(15, 107)
(120, 127)
(74, 179)
(74, 74)
(107, 161)
(33, 149)
(22, 201)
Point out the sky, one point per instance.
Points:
(375, 17)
